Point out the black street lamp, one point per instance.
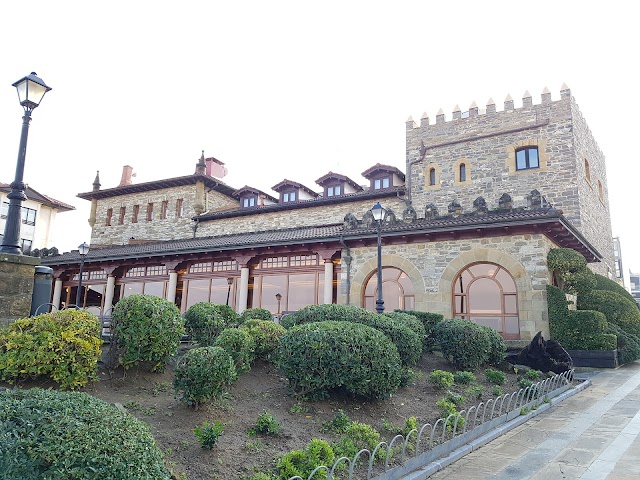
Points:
(378, 213)
(279, 299)
(83, 249)
(31, 89)
(229, 283)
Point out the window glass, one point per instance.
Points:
(432, 176)
(179, 208)
(385, 183)
(485, 296)
(521, 160)
(397, 290)
(154, 288)
(463, 172)
(302, 291)
(377, 184)
(329, 191)
(219, 290)
(197, 291)
(337, 189)
(510, 304)
(508, 285)
(26, 246)
(533, 158)
(132, 289)
(483, 270)
(94, 295)
(272, 285)
(527, 158)
(4, 209)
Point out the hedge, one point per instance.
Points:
(266, 335)
(603, 283)
(204, 321)
(429, 320)
(571, 267)
(618, 309)
(467, 345)
(239, 345)
(411, 322)
(146, 329)
(256, 314)
(408, 342)
(63, 345)
(318, 357)
(577, 330)
(628, 344)
(71, 435)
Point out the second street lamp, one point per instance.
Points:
(378, 213)
(83, 249)
(31, 89)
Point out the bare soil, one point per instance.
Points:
(239, 453)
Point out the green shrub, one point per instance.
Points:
(267, 424)
(412, 322)
(208, 433)
(205, 321)
(71, 435)
(533, 375)
(338, 424)
(475, 391)
(449, 408)
(63, 345)
(429, 320)
(303, 462)
(202, 373)
(408, 342)
(357, 437)
(266, 336)
(464, 378)
(524, 382)
(578, 330)
(570, 267)
(628, 344)
(441, 379)
(408, 377)
(318, 357)
(256, 314)
(496, 391)
(467, 345)
(495, 376)
(455, 398)
(239, 345)
(603, 283)
(146, 329)
(410, 424)
(618, 309)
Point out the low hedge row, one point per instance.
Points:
(618, 309)
(628, 344)
(317, 357)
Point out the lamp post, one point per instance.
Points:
(378, 213)
(278, 298)
(229, 283)
(83, 249)
(31, 89)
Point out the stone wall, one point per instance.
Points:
(434, 266)
(173, 227)
(16, 286)
(486, 143)
(292, 218)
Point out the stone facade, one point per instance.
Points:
(16, 286)
(434, 266)
(170, 228)
(293, 218)
(486, 143)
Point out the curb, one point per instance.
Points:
(457, 454)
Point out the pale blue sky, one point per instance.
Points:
(296, 89)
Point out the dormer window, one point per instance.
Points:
(248, 202)
(334, 191)
(380, 183)
(289, 196)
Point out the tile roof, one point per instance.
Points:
(34, 195)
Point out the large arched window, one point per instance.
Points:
(485, 293)
(397, 290)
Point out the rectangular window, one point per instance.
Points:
(163, 209)
(123, 212)
(249, 202)
(28, 216)
(4, 209)
(109, 215)
(25, 246)
(381, 183)
(136, 211)
(179, 211)
(333, 191)
(527, 158)
(149, 212)
(289, 197)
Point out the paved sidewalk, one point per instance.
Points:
(593, 435)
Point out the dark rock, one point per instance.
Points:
(543, 355)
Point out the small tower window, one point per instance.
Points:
(432, 176)
(463, 172)
(123, 212)
(587, 170)
(527, 158)
(109, 215)
(600, 191)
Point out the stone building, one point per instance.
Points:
(468, 225)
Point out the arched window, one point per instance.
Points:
(397, 290)
(485, 293)
(432, 176)
(463, 172)
(587, 170)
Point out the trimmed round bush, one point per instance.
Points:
(63, 345)
(429, 321)
(319, 357)
(205, 321)
(202, 373)
(467, 345)
(256, 314)
(410, 322)
(266, 336)
(408, 342)
(146, 329)
(71, 435)
(239, 345)
(303, 462)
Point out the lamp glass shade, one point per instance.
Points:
(83, 248)
(278, 297)
(378, 212)
(31, 89)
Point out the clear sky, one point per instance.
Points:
(294, 89)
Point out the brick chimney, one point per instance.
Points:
(215, 168)
(127, 173)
